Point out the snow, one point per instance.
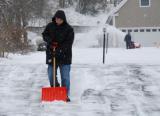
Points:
(34, 38)
(75, 18)
(37, 22)
(94, 37)
(128, 84)
(118, 56)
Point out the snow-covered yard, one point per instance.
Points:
(128, 84)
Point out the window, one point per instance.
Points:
(129, 30)
(144, 3)
(148, 30)
(136, 30)
(141, 30)
(154, 30)
(123, 30)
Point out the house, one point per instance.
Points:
(140, 17)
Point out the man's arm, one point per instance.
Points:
(46, 35)
(69, 39)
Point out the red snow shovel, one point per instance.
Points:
(54, 93)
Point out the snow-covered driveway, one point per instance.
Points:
(126, 89)
(20, 89)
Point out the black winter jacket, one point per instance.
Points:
(63, 35)
(127, 38)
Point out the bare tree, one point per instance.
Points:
(70, 2)
(4, 36)
(14, 16)
(65, 3)
(91, 6)
(62, 3)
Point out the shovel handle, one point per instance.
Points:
(54, 70)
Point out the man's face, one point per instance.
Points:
(59, 21)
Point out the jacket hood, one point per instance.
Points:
(60, 14)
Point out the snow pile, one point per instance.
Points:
(37, 22)
(34, 38)
(94, 37)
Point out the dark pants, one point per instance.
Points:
(128, 45)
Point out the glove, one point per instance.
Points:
(54, 45)
(58, 53)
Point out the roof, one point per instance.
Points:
(117, 8)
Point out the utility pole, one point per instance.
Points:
(104, 43)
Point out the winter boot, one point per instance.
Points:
(68, 99)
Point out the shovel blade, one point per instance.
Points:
(50, 94)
